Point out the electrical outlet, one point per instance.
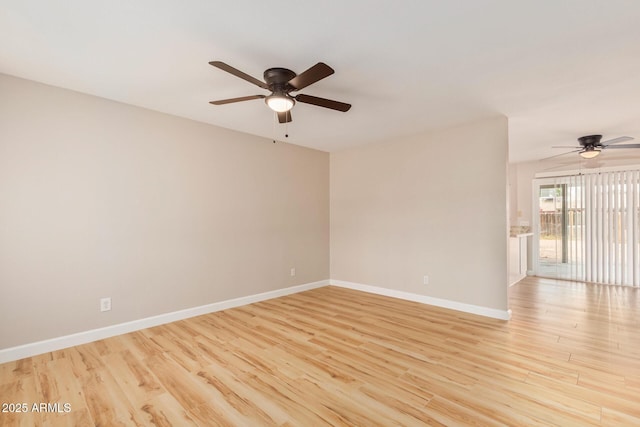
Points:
(293, 272)
(425, 280)
(105, 304)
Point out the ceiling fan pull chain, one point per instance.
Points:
(286, 126)
(273, 132)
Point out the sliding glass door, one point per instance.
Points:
(588, 227)
(559, 228)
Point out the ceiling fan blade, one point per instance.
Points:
(565, 146)
(229, 69)
(312, 75)
(563, 154)
(617, 140)
(323, 102)
(231, 100)
(622, 146)
(284, 117)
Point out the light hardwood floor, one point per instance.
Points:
(570, 356)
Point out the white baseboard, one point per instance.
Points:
(40, 347)
(453, 305)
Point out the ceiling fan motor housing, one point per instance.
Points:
(590, 141)
(278, 77)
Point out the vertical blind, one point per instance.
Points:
(601, 226)
(612, 226)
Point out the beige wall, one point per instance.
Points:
(434, 204)
(520, 182)
(160, 213)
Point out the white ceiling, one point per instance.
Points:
(556, 69)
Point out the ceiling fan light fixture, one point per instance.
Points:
(590, 153)
(280, 102)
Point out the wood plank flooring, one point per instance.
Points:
(331, 356)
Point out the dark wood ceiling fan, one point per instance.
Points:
(281, 82)
(591, 146)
